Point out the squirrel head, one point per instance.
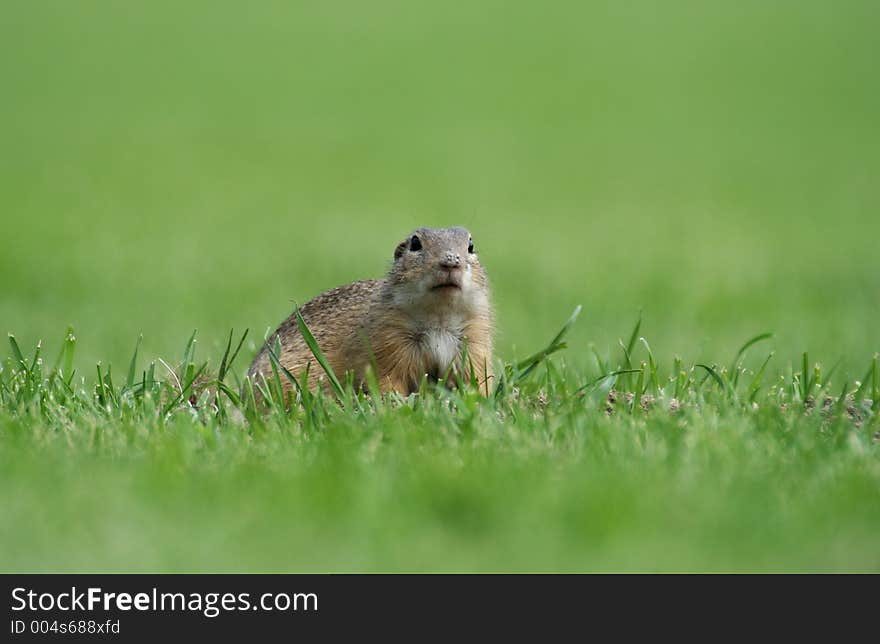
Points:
(438, 268)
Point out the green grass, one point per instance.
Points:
(691, 467)
(171, 166)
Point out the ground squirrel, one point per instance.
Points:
(411, 324)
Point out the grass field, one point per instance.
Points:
(171, 167)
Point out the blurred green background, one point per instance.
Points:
(167, 166)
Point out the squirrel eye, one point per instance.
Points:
(470, 245)
(415, 243)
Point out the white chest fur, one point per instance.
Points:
(440, 347)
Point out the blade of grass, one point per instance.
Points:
(756, 382)
(69, 351)
(629, 348)
(637, 394)
(111, 390)
(100, 386)
(634, 336)
(840, 405)
(626, 354)
(129, 382)
(525, 367)
(189, 350)
(225, 364)
(287, 374)
(36, 361)
(16, 353)
(679, 379)
(319, 355)
(714, 375)
(150, 378)
(863, 385)
(826, 379)
(806, 380)
(653, 366)
(748, 343)
(875, 384)
(275, 386)
(596, 381)
(185, 388)
(236, 400)
(600, 364)
(59, 361)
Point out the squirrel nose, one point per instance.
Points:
(450, 260)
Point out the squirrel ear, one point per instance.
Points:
(400, 248)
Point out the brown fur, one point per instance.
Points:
(405, 324)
